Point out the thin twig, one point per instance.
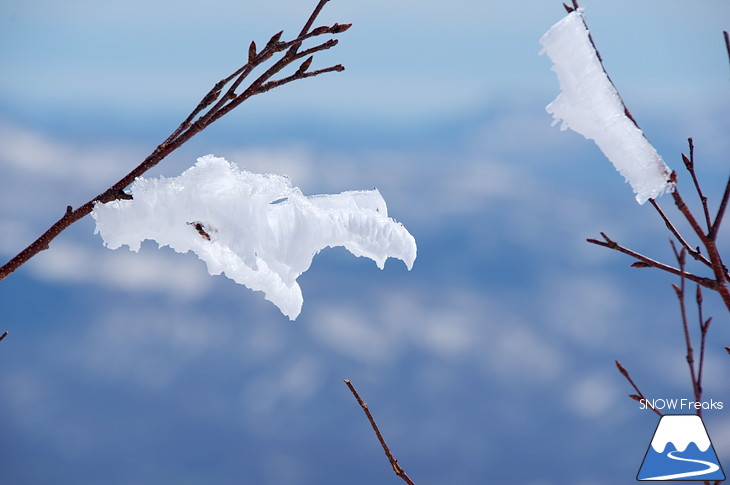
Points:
(393, 462)
(695, 253)
(712, 235)
(5, 334)
(704, 328)
(646, 262)
(204, 114)
(689, 164)
(718, 267)
(639, 395)
(684, 209)
(680, 291)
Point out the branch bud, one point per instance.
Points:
(640, 264)
(339, 28)
(251, 52)
(687, 162)
(274, 39)
(305, 65)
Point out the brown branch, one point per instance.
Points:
(684, 209)
(689, 164)
(704, 328)
(393, 462)
(204, 114)
(695, 253)
(2, 337)
(708, 240)
(680, 292)
(640, 395)
(712, 235)
(646, 262)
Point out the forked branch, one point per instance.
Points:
(707, 237)
(215, 104)
(647, 262)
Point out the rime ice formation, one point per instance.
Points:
(590, 105)
(258, 230)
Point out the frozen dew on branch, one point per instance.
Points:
(590, 105)
(258, 230)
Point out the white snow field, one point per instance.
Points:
(258, 230)
(590, 105)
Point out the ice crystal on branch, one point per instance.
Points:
(258, 230)
(590, 105)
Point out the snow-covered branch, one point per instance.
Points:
(258, 230)
(215, 104)
(589, 104)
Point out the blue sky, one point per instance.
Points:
(494, 354)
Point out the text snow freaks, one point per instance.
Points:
(677, 404)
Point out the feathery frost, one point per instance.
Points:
(258, 230)
(590, 105)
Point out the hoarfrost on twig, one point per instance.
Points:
(590, 105)
(258, 230)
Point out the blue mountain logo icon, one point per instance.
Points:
(680, 450)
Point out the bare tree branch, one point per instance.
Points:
(704, 328)
(680, 291)
(204, 114)
(695, 253)
(708, 240)
(393, 462)
(689, 164)
(720, 213)
(639, 396)
(646, 262)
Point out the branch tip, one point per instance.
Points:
(252, 52)
(339, 28)
(687, 163)
(391, 459)
(305, 65)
